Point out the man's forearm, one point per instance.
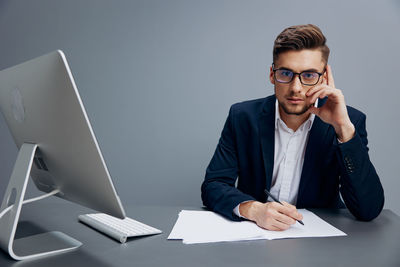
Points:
(345, 132)
(360, 185)
(222, 197)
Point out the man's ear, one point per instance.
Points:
(271, 75)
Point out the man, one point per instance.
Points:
(303, 144)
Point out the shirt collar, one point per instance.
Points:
(308, 123)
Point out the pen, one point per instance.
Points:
(276, 200)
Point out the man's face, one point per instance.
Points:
(291, 96)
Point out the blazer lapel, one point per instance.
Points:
(266, 124)
(318, 133)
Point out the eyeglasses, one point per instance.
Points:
(306, 77)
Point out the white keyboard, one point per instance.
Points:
(117, 228)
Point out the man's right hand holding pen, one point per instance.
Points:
(271, 215)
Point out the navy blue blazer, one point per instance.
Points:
(246, 152)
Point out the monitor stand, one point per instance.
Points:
(39, 245)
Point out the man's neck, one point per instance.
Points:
(293, 121)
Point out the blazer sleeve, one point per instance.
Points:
(218, 190)
(360, 186)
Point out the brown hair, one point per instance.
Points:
(300, 37)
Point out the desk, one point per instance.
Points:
(375, 243)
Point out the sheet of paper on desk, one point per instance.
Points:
(206, 227)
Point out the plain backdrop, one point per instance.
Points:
(158, 77)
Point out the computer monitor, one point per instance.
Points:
(57, 148)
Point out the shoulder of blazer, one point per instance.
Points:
(355, 114)
(255, 106)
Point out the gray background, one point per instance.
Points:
(157, 77)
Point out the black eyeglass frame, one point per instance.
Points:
(297, 73)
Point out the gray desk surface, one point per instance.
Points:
(375, 243)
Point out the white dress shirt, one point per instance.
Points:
(290, 148)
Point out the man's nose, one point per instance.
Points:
(296, 85)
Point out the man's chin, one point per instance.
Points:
(294, 110)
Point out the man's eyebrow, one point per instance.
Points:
(284, 68)
(311, 70)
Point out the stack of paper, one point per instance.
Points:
(206, 226)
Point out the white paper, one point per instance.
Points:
(206, 226)
(313, 226)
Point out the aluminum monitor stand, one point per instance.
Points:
(39, 245)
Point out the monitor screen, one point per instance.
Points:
(47, 119)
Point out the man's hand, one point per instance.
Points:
(271, 215)
(334, 110)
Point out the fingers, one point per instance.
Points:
(273, 228)
(322, 91)
(329, 82)
(313, 96)
(279, 225)
(310, 94)
(284, 218)
(277, 217)
(292, 211)
(317, 88)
